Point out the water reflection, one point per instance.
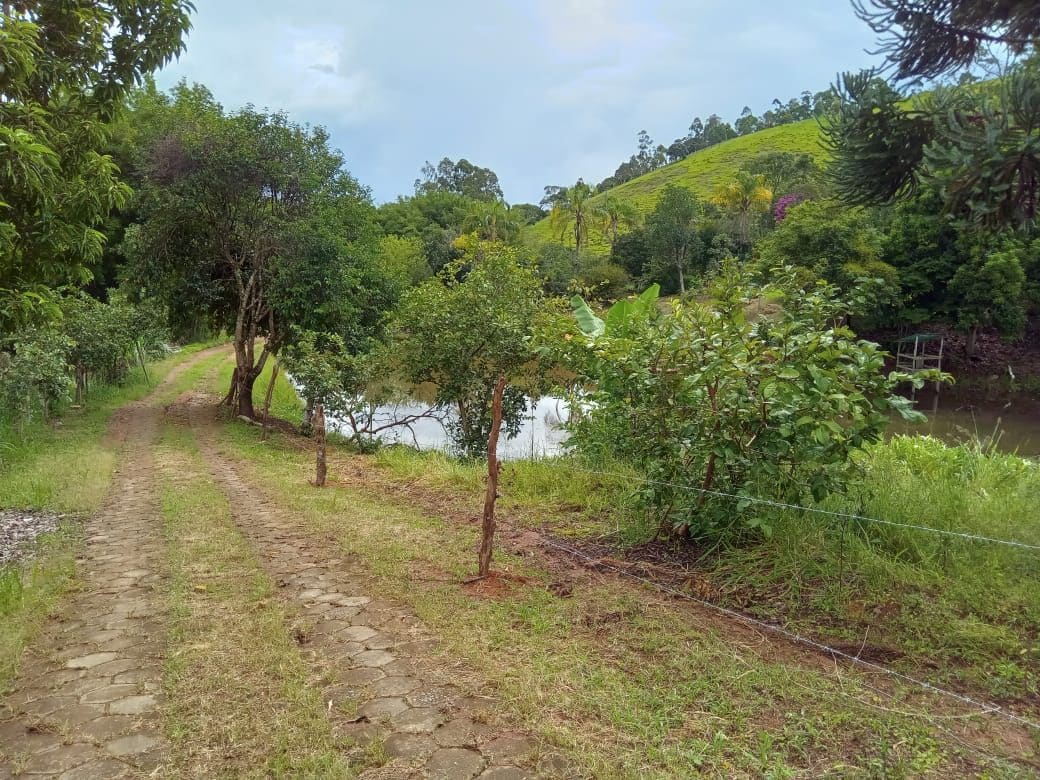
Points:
(541, 434)
(1009, 427)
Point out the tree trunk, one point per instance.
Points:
(487, 531)
(267, 401)
(320, 466)
(245, 378)
(973, 337)
(682, 281)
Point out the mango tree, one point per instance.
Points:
(240, 212)
(66, 69)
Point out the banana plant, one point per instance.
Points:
(619, 317)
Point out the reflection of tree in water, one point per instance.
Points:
(425, 427)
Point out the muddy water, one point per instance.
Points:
(1007, 425)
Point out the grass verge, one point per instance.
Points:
(239, 700)
(627, 683)
(956, 611)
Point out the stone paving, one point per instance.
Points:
(86, 701)
(372, 654)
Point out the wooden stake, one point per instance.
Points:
(321, 467)
(267, 401)
(487, 533)
(140, 357)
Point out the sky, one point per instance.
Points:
(540, 91)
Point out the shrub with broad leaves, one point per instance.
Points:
(723, 397)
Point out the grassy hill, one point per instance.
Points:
(700, 172)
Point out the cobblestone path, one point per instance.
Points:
(87, 698)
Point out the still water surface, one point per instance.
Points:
(1010, 428)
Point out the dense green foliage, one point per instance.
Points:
(835, 243)
(672, 235)
(91, 344)
(466, 328)
(708, 398)
(67, 66)
(280, 233)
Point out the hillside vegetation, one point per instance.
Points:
(700, 172)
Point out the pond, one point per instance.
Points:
(541, 434)
(1010, 427)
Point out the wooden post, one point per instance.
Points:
(321, 467)
(267, 401)
(487, 533)
(140, 357)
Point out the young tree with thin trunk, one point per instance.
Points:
(672, 234)
(471, 337)
(325, 373)
(487, 530)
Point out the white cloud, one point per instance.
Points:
(541, 91)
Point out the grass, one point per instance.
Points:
(701, 172)
(239, 699)
(285, 403)
(28, 593)
(958, 612)
(624, 682)
(961, 613)
(64, 466)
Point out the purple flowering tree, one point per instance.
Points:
(784, 203)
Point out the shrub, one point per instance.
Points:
(603, 280)
(704, 397)
(34, 377)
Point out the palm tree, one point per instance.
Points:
(615, 213)
(573, 210)
(743, 197)
(493, 220)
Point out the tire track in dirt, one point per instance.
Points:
(86, 701)
(372, 656)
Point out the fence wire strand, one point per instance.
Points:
(984, 706)
(814, 510)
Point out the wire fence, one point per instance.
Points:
(983, 707)
(807, 509)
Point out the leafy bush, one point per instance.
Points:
(34, 378)
(603, 280)
(709, 398)
(96, 340)
(462, 331)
